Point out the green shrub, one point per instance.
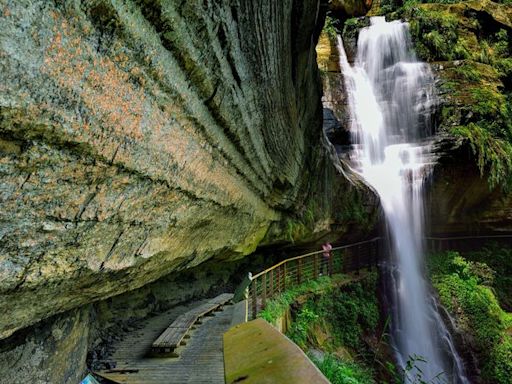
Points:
(299, 329)
(468, 72)
(351, 310)
(278, 305)
(435, 34)
(331, 27)
(494, 155)
(498, 258)
(501, 43)
(504, 67)
(463, 288)
(501, 355)
(342, 372)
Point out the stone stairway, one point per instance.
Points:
(199, 361)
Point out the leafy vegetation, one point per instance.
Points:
(465, 289)
(343, 372)
(332, 27)
(436, 35)
(494, 154)
(389, 6)
(349, 311)
(339, 320)
(276, 307)
(498, 258)
(345, 313)
(300, 327)
(351, 28)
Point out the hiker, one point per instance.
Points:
(327, 248)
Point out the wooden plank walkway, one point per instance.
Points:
(174, 335)
(257, 353)
(200, 361)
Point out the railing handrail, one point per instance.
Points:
(375, 239)
(299, 269)
(314, 253)
(470, 237)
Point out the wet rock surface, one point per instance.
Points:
(471, 185)
(461, 201)
(336, 121)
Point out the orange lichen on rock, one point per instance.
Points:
(104, 89)
(122, 109)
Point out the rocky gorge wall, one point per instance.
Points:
(142, 138)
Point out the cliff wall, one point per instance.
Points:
(142, 137)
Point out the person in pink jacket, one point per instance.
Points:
(327, 248)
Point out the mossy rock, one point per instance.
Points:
(350, 8)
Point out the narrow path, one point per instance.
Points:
(257, 353)
(200, 361)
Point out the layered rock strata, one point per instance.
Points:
(143, 137)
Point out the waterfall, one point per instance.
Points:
(390, 98)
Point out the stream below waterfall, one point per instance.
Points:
(391, 100)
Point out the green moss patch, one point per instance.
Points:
(498, 258)
(465, 289)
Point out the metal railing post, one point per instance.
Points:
(254, 285)
(284, 276)
(279, 279)
(299, 271)
(264, 291)
(246, 297)
(315, 266)
(271, 283)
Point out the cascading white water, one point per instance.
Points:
(391, 98)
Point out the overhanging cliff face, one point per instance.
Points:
(141, 137)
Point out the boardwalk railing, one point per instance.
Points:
(297, 270)
(464, 243)
(258, 289)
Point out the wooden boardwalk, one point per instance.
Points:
(257, 353)
(200, 361)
